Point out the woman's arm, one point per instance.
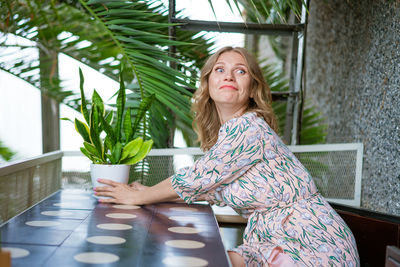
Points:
(126, 194)
(139, 186)
(239, 147)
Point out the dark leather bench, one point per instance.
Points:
(373, 232)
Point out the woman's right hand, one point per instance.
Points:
(135, 193)
(119, 193)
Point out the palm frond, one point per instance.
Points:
(134, 29)
(313, 130)
(271, 11)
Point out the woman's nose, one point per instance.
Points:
(228, 76)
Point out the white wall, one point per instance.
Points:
(20, 116)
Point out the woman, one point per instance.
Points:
(248, 167)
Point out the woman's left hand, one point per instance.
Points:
(119, 193)
(138, 186)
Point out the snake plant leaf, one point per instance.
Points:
(110, 157)
(109, 131)
(144, 150)
(144, 106)
(98, 102)
(84, 110)
(128, 124)
(116, 152)
(121, 98)
(132, 148)
(96, 99)
(67, 119)
(91, 149)
(108, 144)
(109, 117)
(94, 129)
(88, 155)
(105, 150)
(83, 130)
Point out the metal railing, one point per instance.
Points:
(336, 169)
(23, 183)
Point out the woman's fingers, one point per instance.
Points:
(107, 200)
(108, 182)
(112, 185)
(103, 189)
(118, 193)
(114, 201)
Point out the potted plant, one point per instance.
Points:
(110, 141)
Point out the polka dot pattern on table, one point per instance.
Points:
(106, 240)
(56, 213)
(126, 207)
(67, 204)
(178, 261)
(121, 215)
(183, 218)
(183, 209)
(114, 226)
(75, 197)
(96, 257)
(43, 223)
(184, 230)
(186, 244)
(16, 252)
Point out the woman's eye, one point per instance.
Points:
(219, 70)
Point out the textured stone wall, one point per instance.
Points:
(353, 76)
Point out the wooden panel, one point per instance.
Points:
(392, 256)
(373, 232)
(5, 258)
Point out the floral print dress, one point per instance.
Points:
(289, 222)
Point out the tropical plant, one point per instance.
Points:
(99, 34)
(119, 146)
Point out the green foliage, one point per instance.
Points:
(120, 144)
(313, 129)
(100, 34)
(5, 152)
(273, 11)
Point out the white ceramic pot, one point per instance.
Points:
(117, 173)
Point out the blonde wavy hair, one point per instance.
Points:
(206, 121)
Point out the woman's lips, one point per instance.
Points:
(228, 87)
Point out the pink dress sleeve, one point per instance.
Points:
(238, 148)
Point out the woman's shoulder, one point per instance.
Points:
(246, 122)
(248, 117)
(254, 120)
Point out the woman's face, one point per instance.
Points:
(229, 82)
